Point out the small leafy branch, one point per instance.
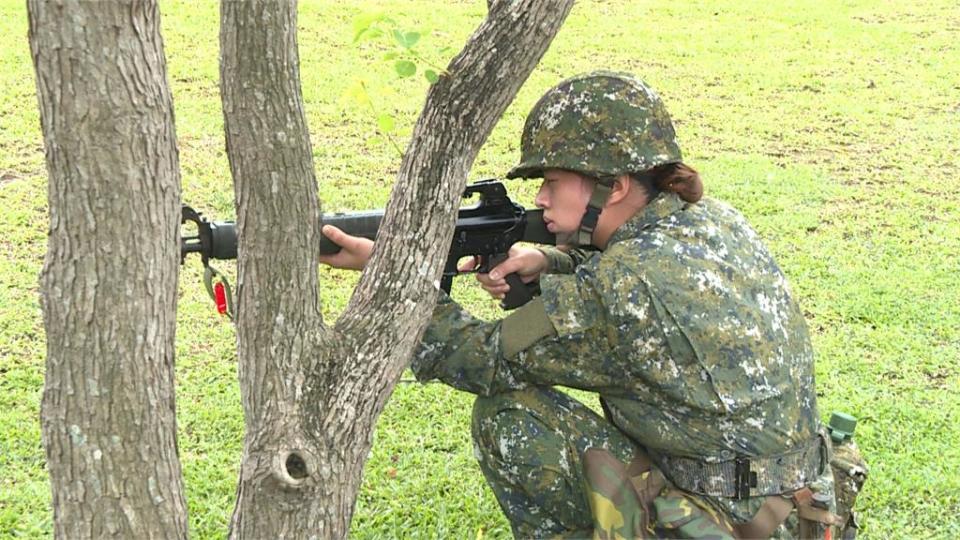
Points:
(403, 53)
(401, 50)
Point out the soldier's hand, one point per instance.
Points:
(354, 250)
(527, 262)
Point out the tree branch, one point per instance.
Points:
(460, 112)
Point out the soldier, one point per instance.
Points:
(680, 321)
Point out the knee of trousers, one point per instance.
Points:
(492, 412)
(539, 420)
(530, 417)
(527, 454)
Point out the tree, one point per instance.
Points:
(109, 282)
(311, 392)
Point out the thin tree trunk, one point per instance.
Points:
(312, 394)
(278, 305)
(109, 282)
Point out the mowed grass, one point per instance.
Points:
(834, 126)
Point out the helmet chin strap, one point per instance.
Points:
(588, 223)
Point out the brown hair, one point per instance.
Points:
(676, 177)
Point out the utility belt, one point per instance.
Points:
(783, 480)
(742, 477)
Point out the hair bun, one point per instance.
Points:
(680, 179)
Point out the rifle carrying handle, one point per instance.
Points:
(520, 293)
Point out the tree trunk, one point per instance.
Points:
(311, 394)
(109, 282)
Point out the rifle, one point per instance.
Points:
(484, 231)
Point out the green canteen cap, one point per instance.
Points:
(842, 426)
(602, 124)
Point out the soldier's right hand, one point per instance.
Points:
(527, 262)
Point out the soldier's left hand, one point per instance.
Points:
(354, 250)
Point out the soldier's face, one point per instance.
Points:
(563, 196)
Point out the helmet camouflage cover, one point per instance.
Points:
(601, 124)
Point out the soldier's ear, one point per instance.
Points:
(622, 187)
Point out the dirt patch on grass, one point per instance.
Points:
(7, 177)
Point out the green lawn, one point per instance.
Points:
(834, 126)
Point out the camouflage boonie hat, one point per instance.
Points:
(601, 124)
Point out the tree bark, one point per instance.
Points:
(109, 282)
(311, 394)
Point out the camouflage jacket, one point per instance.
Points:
(684, 325)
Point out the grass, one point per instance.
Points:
(835, 127)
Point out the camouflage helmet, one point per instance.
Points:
(601, 124)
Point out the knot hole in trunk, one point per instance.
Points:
(294, 467)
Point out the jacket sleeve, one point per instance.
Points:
(560, 338)
(564, 261)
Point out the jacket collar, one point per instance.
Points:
(663, 205)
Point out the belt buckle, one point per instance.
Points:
(743, 478)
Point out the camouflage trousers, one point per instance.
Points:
(531, 446)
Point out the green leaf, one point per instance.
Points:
(359, 34)
(431, 76)
(406, 39)
(405, 68)
(364, 22)
(411, 39)
(360, 25)
(386, 123)
(392, 55)
(356, 94)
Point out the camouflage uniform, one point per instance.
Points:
(685, 328)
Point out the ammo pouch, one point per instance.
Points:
(849, 475)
